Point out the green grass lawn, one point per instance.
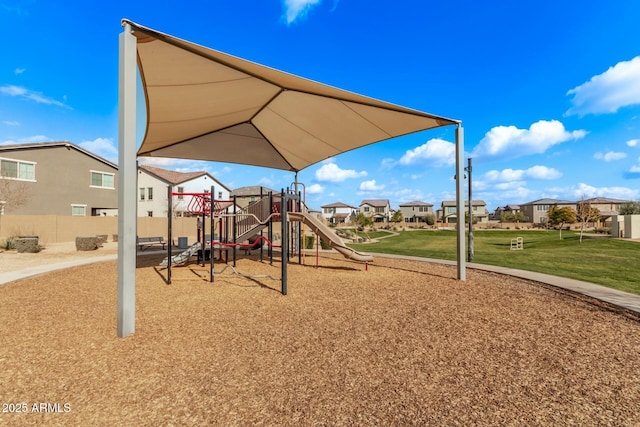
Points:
(602, 260)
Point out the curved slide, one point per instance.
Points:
(329, 237)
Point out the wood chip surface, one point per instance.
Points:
(402, 343)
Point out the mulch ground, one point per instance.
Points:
(403, 343)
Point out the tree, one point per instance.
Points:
(630, 208)
(363, 221)
(585, 214)
(13, 193)
(397, 217)
(430, 219)
(561, 216)
(473, 217)
(513, 217)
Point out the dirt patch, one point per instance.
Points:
(403, 343)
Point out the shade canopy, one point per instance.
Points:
(203, 104)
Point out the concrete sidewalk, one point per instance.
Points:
(612, 296)
(46, 268)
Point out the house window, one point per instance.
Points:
(150, 193)
(79, 210)
(142, 194)
(219, 194)
(366, 209)
(102, 180)
(180, 190)
(149, 213)
(451, 209)
(542, 207)
(17, 169)
(380, 210)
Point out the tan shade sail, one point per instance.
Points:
(206, 105)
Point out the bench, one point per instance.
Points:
(147, 242)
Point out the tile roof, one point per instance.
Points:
(337, 205)
(53, 144)
(375, 202)
(416, 203)
(172, 177)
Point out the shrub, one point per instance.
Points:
(309, 242)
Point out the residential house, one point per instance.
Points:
(377, 209)
(497, 214)
(478, 210)
(247, 195)
(338, 212)
(153, 185)
(607, 207)
(416, 211)
(56, 178)
(538, 211)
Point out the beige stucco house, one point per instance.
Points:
(538, 210)
(377, 209)
(56, 178)
(478, 209)
(416, 211)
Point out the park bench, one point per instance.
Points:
(147, 242)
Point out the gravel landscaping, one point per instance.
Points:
(402, 343)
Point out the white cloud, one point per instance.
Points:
(11, 123)
(542, 172)
(12, 90)
(633, 143)
(617, 87)
(511, 142)
(435, 151)
(26, 140)
(515, 175)
(103, 147)
(370, 186)
(315, 189)
(19, 71)
(387, 163)
(589, 191)
(610, 156)
(331, 172)
(297, 9)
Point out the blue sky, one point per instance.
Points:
(548, 92)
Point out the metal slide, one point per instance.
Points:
(329, 237)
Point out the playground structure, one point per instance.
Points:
(229, 229)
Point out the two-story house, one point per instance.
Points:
(377, 209)
(337, 213)
(153, 183)
(607, 206)
(416, 211)
(478, 210)
(247, 195)
(56, 178)
(538, 210)
(497, 214)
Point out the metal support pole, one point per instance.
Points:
(169, 230)
(127, 183)
(470, 236)
(462, 273)
(285, 241)
(235, 229)
(212, 228)
(270, 228)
